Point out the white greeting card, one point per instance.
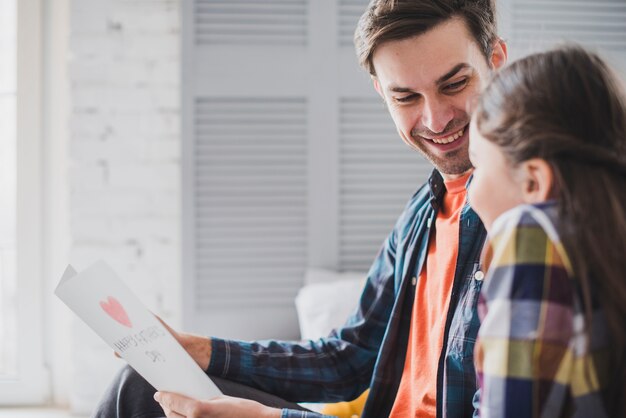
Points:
(100, 298)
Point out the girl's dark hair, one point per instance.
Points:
(568, 108)
(391, 20)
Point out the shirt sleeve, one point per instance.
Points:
(523, 349)
(336, 368)
(290, 413)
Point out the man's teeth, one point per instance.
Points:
(448, 139)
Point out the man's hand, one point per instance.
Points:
(198, 347)
(178, 406)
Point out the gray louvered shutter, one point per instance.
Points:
(246, 22)
(245, 125)
(349, 13)
(535, 25)
(599, 23)
(378, 175)
(290, 160)
(250, 189)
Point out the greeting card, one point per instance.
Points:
(100, 298)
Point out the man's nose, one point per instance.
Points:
(436, 115)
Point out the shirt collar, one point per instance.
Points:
(437, 189)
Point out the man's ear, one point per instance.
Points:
(537, 180)
(499, 54)
(377, 87)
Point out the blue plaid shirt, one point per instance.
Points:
(370, 349)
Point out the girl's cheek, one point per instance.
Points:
(475, 198)
(470, 197)
(471, 191)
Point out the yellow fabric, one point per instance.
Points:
(350, 409)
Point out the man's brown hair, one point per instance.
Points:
(388, 20)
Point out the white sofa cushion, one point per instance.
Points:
(326, 301)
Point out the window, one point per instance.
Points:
(23, 377)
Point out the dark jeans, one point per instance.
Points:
(131, 396)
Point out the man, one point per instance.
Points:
(411, 340)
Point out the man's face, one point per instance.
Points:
(428, 82)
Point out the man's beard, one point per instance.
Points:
(454, 162)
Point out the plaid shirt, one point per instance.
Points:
(532, 356)
(370, 349)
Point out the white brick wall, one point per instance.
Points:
(124, 151)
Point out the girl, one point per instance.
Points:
(548, 142)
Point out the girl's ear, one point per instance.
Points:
(537, 180)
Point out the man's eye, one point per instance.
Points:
(405, 99)
(456, 86)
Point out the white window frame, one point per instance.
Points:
(32, 383)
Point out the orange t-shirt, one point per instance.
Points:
(417, 394)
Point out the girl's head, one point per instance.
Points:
(553, 126)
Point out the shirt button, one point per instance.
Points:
(479, 275)
(414, 280)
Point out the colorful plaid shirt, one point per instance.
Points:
(532, 356)
(370, 349)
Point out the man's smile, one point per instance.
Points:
(448, 139)
(447, 142)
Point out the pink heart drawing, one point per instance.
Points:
(116, 311)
